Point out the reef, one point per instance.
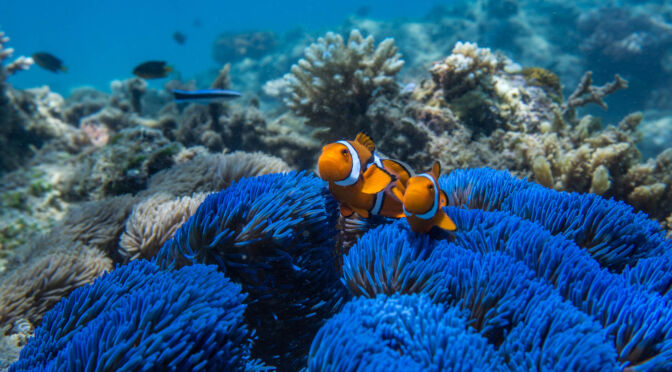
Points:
(532, 279)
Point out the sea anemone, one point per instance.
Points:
(400, 333)
(274, 235)
(142, 317)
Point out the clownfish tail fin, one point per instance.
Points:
(366, 141)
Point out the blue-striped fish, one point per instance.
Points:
(204, 95)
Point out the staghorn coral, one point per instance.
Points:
(400, 333)
(154, 221)
(336, 82)
(140, 316)
(30, 290)
(274, 235)
(213, 172)
(533, 259)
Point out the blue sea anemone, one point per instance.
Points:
(142, 317)
(611, 231)
(274, 235)
(400, 333)
(551, 279)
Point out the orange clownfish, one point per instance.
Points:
(362, 181)
(423, 202)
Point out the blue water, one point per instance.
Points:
(101, 41)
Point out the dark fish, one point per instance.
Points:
(205, 95)
(179, 37)
(49, 62)
(152, 70)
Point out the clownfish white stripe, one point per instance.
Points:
(354, 170)
(435, 207)
(378, 204)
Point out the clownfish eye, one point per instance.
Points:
(344, 151)
(430, 187)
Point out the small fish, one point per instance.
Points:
(205, 95)
(179, 37)
(49, 62)
(152, 70)
(423, 202)
(361, 180)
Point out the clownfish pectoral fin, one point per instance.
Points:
(345, 211)
(362, 212)
(375, 180)
(398, 193)
(443, 200)
(366, 141)
(443, 221)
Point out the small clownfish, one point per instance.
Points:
(423, 202)
(362, 181)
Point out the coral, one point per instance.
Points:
(154, 221)
(335, 83)
(213, 172)
(230, 47)
(529, 272)
(140, 316)
(400, 333)
(467, 68)
(124, 165)
(274, 235)
(586, 93)
(10, 346)
(30, 290)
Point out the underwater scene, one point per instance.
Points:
(336, 186)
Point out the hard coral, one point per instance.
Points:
(140, 316)
(274, 235)
(229, 47)
(335, 83)
(467, 68)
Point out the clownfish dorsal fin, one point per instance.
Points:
(443, 221)
(365, 141)
(375, 180)
(436, 170)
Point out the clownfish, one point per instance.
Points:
(423, 202)
(361, 180)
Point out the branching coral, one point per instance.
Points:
(140, 316)
(400, 333)
(154, 221)
(274, 235)
(335, 83)
(467, 68)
